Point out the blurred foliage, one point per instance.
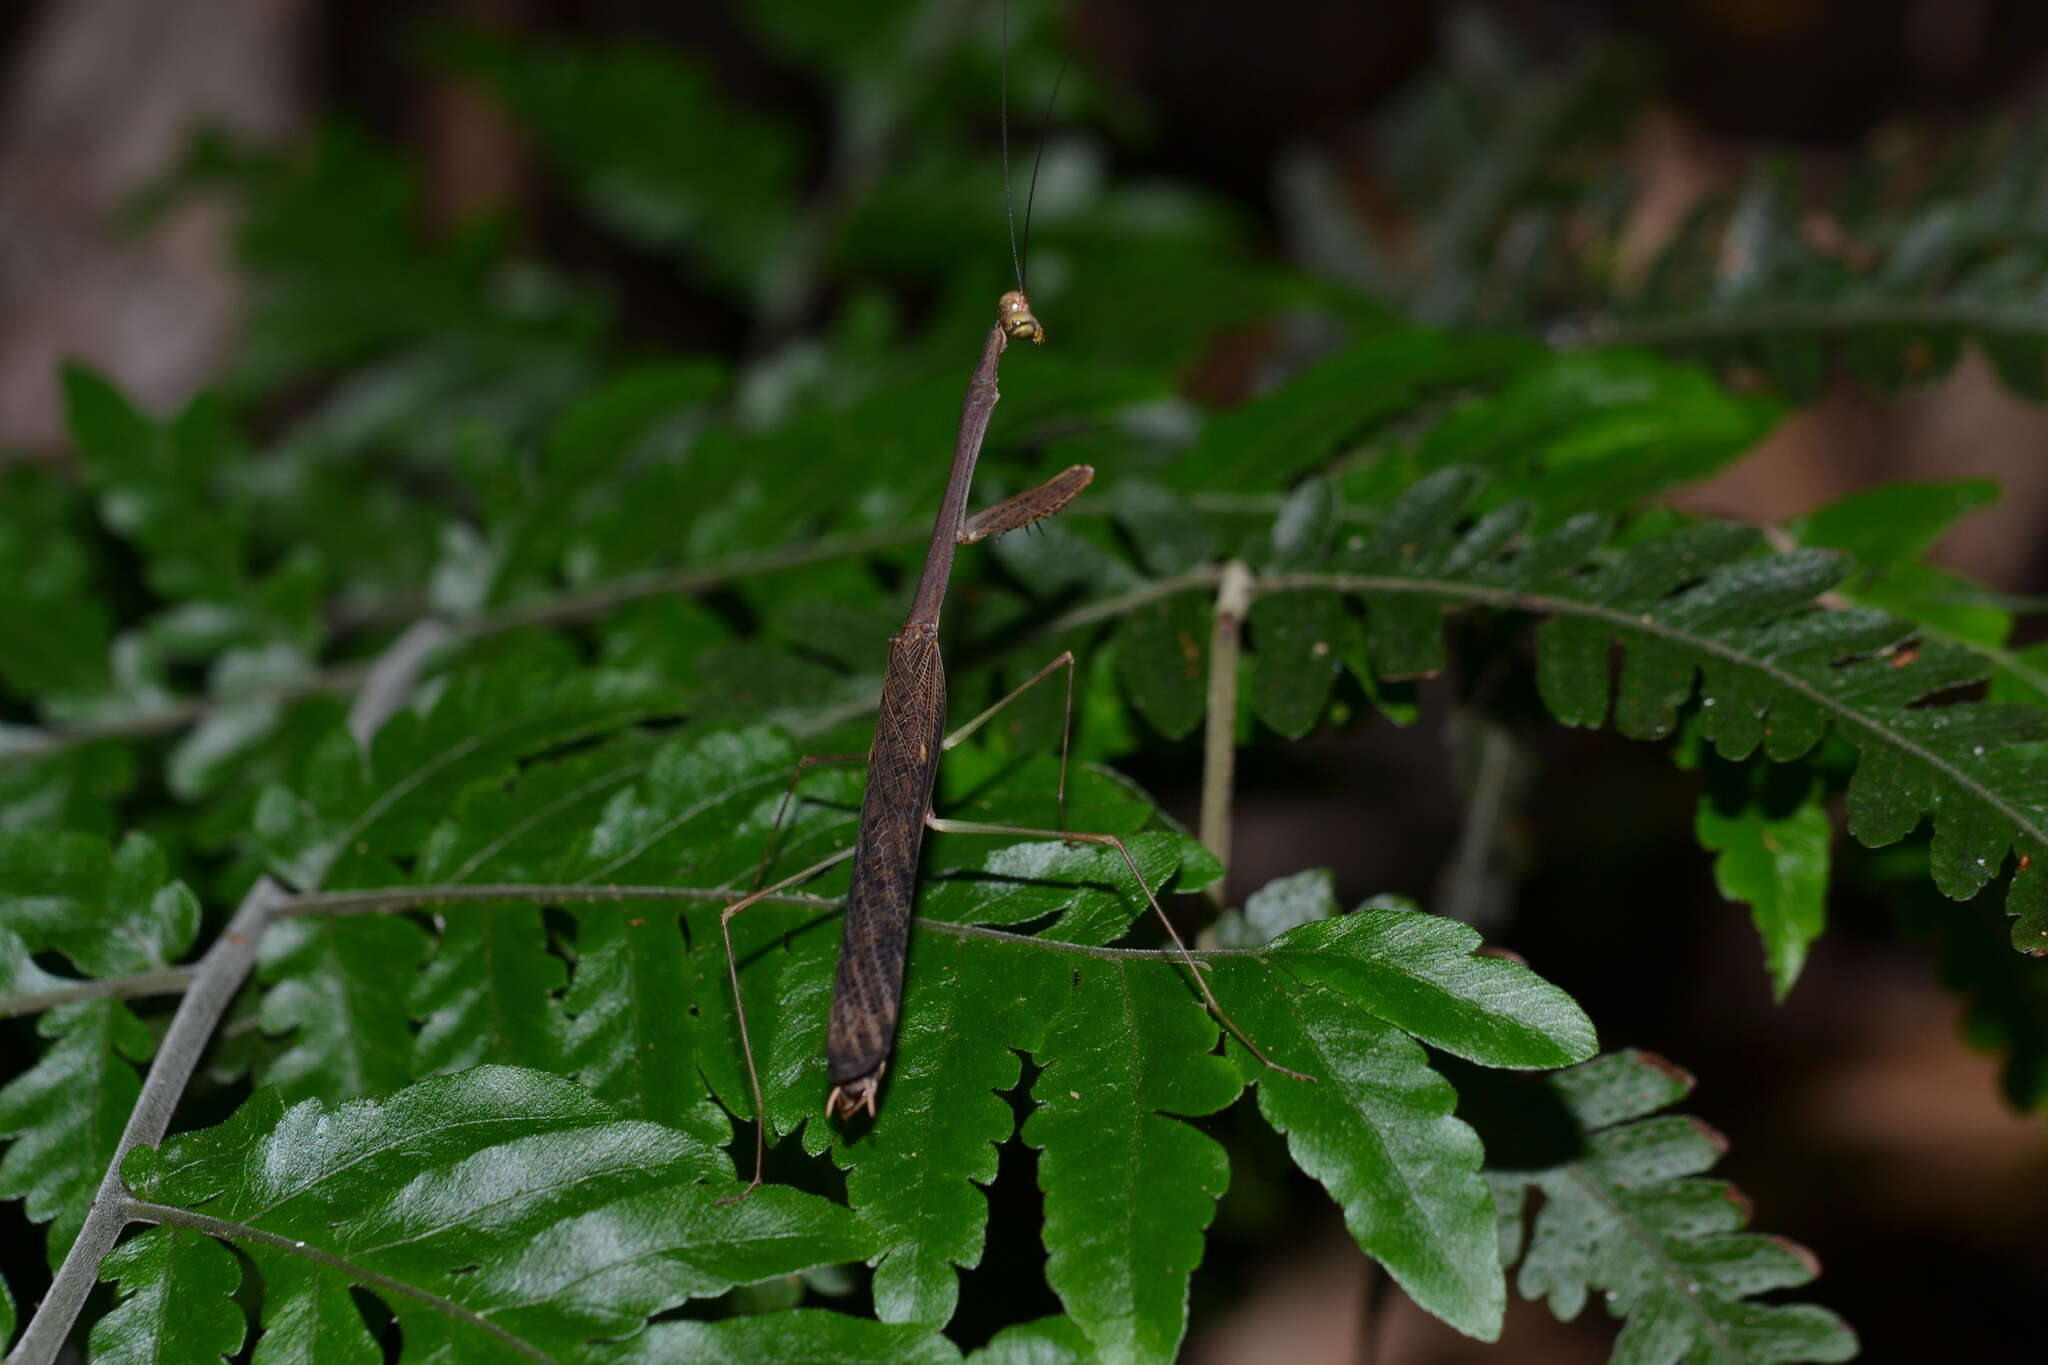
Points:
(1626, 1214)
(1522, 208)
(666, 575)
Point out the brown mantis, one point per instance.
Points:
(903, 766)
(903, 761)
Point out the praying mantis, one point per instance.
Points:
(903, 764)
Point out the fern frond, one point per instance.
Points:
(1700, 617)
(1785, 279)
(1627, 1219)
(499, 1212)
(111, 911)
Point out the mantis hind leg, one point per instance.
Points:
(803, 765)
(739, 1004)
(1066, 661)
(757, 894)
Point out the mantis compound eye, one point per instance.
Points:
(1014, 316)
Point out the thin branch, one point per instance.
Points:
(1820, 315)
(384, 899)
(1219, 736)
(574, 608)
(1105, 954)
(390, 680)
(212, 987)
(143, 1211)
(569, 609)
(28, 744)
(162, 981)
(1469, 881)
(1108, 608)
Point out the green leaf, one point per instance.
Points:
(1300, 640)
(1598, 431)
(619, 120)
(630, 1037)
(1376, 1125)
(1418, 972)
(160, 485)
(339, 990)
(1163, 662)
(1775, 860)
(68, 790)
(245, 688)
(1950, 607)
(1272, 440)
(1885, 528)
(110, 910)
(1699, 616)
(1047, 1341)
(1304, 527)
(66, 1113)
(702, 814)
(803, 1337)
(489, 994)
(695, 811)
(1892, 524)
(1171, 536)
(177, 1301)
(510, 1206)
(309, 1318)
(1129, 1186)
(1375, 1128)
(544, 521)
(1627, 1219)
(915, 1174)
(52, 618)
(1281, 904)
(355, 811)
(599, 430)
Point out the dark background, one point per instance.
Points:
(1861, 1124)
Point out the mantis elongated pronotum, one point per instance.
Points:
(903, 765)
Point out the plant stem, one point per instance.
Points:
(1818, 315)
(162, 981)
(242, 1234)
(1219, 735)
(568, 609)
(384, 900)
(1124, 603)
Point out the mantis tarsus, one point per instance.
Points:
(903, 764)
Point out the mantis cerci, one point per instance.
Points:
(903, 764)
